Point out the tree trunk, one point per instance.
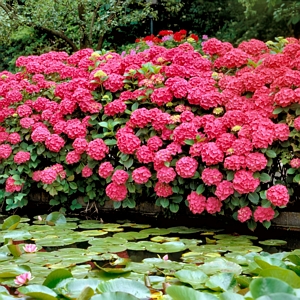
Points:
(100, 42)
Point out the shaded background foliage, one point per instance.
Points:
(33, 27)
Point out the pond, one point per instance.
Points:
(71, 258)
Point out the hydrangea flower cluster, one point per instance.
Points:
(165, 122)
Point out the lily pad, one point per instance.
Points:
(56, 218)
(183, 230)
(168, 247)
(114, 296)
(38, 292)
(220, 265)
(156, 231)
(11, 222)
(131, 235)
(183, 292)
(273, 242)
(194, 278)
(134, 288)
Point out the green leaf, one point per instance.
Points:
(254, 198)
(164, 202)
(288, 276)
(189, 142)
(73, 185)
(200, 189)
(114, 296)
(277, 110)
(38, 292)
(128, 163)
(56, 218)
(271, 153)
(14, 250)
(132, 287)
(185, 293)
(193, 277)
(221, 282)
(230, 296)
(56, 277)
(110, 142)
(134, 106)
(11, 222)
(86, 293)
(264, 177)
(174, 208)
(265, 286)
(103, 124)
(291, 171)
(278, 296)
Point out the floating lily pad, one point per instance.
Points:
(273, 242)
(168, 247)
(183, 230)
(134, 225)
(11, 222)
(17, 235)
(131, 235)
(105, 248)
(107, 241)
(156, 231)
(161, 239)
(56, 218)
(93, 232)
(134, 288)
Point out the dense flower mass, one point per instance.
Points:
(197, 203)
(278, 195)
(160, 121)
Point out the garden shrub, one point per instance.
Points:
(215, 128)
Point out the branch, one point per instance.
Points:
(60, 35)
(93, 21)
(100, 42)
(8, 9)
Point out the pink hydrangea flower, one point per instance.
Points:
(197, 203)
(163, 189)
(116, 192)
(213, 205)
(120, 177)
(97, 149)
(262, 214)
(212, 154)
(166, 174)
(105, 169)
(297, 123)
(86, 172)
(21, 157)
(141, 175)
(186, 167)
(244, 182)
(278, 195)
(244, 214)
(211, 176)
(224, 190)
(295, 163)
(72, 157)
(48, 176)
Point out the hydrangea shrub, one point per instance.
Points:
(205, 125)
